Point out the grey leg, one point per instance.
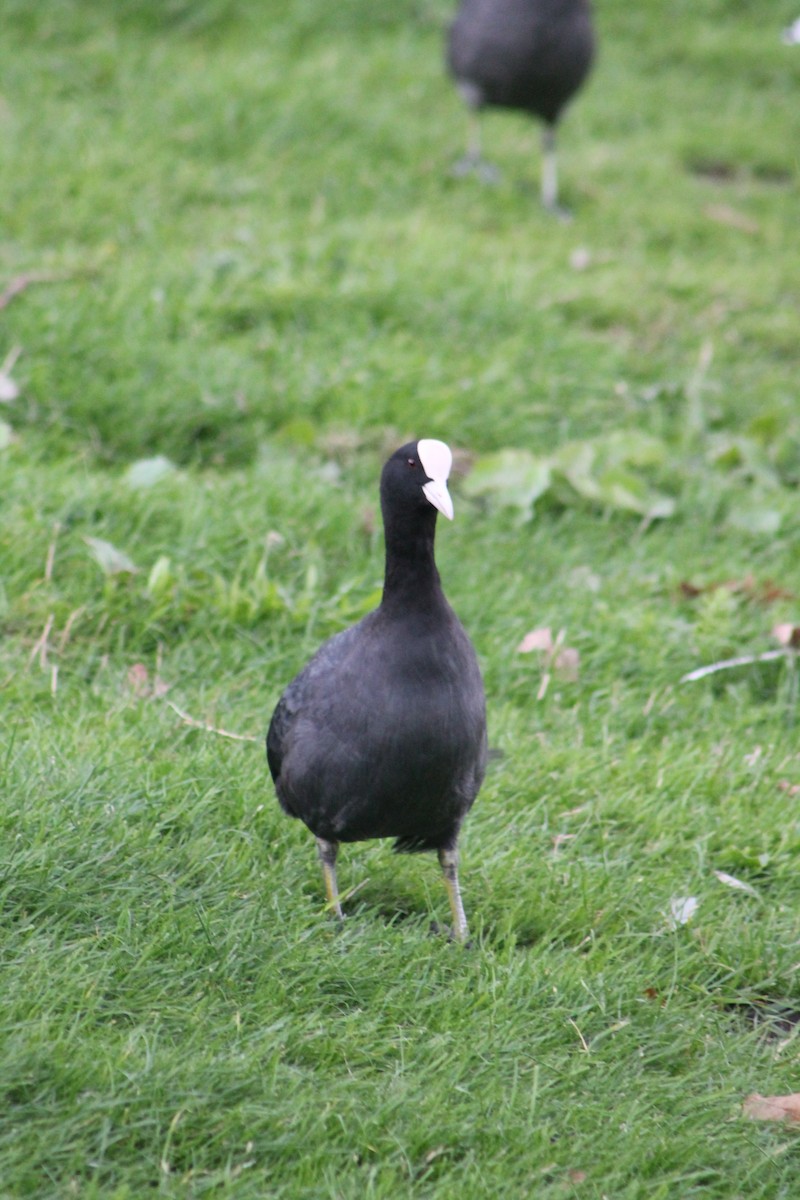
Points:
(549, 168)
(327, 856)
(448, 860)
(550, 175)
(473, 160)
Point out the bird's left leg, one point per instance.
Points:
(327, 852)
(448, 860)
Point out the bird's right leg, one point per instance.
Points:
(473, 160)
(327, 852)
(448, 861)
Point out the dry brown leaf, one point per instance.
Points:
(567, 664)
(766, 591)
(139, 680)
(773, 1108)
(141, 686)
(575, 1176)
(537, 639)
(432, 1155)
(580, 258)
(723, 214)
(771, 591)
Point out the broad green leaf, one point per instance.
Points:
(630, 447)
(511, 479)
(621, 489)
(729, 452)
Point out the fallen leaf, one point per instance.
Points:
(112, 560)
(8, 388)
(580, 258)
(723, 214)
(148, 471)
(567, 664)
(537, 639)
(140, 684)
(772, 1108)
(770, 592)
(575, 1176)
(139, 680)
(737, 884)
(765, 592)
(755, 517)
(584, 577)
(437, 1152)
(787, 634)
(682, 909)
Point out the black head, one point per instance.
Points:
(415, 479)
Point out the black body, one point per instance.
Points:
(531, 55)
(383, 734)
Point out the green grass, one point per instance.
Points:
(251, 259)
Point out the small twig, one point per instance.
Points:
(343, 897)
(237, 737)
(8, 363)
(71, 619)
(744, 660)
(551, 657)
(51, 553)
(580, 1035)
(20, 282)
(695, 417)
(41, 646)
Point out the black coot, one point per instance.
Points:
(383, 734)
(531, 55)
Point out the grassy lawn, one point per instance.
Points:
(229, 237)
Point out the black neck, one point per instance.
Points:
(411, 579)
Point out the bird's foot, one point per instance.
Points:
(451, 934)
(564, 215)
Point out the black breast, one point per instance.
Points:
(384, 733)
(526, 54)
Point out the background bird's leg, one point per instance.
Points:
(449, 864)
(327, 856)
(473, 160)
(474, 146)
(550, 174)
(549, 168)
